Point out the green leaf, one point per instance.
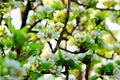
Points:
(60, 54)
(19, 38)
(10, 26)
(60, 62)
(35, 46)
(106, 69)
(101, 15)
(44, 66)
(33, 75)
(12, 55)
(57, 6)
(95, 61)
(73, 65)
(93, 77)
(93, 46)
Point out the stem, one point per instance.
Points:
(64, 28)
(67, 72)
(87, 70)
(25, 14)
(3, 52)
(1, 18)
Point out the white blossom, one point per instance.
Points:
(12, 63)
(56, 14)
(116, 74)
(46, 9)
(72, 77)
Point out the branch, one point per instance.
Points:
(1, 18)
(32, 26)
(113, 36)
(32, 31)
(104, 56)
(88, 64)
(109, 9)
(25, 14)
(67, 72)
(75, 52)
(64, 28)
(3, 52)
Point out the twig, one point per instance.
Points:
(74, 52)
(109, 9)
(88, 64)
(64, 28)
(1, 18)
(50, 46)
(104, 56)
(67, 72)
(32, 31)
(3, 52)
(25, 14)
(32, 26)
(113, 36)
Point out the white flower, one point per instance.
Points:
(56, 14)
(93, 34)
(116, 74)
(40, 34)
(46, 9)
(33, 62)
(65, 10)
(59, 69)
(7, 77)
(43, 59)
(72, 77)
(53, 68)
(82, 9)
(59, 24)
(66, 55)
(46, 77)
(17, 73)
(82, 38)
(74, 57)
(12, 63)
(92, 41)
(27, 66)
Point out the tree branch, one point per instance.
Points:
(3, 52)
(64, 28)
(88, 64)
(32, 26)
(25, 14)
(67, 72)
(74, 52)
(109, 9)
(1, 18)
(104, 56)
(113, 36)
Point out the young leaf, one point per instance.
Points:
(93, 46)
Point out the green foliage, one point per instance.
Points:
(106, 69)
(93, 77)
(28, 53)
(44, 66)
(34, 47)
(92, 4)
(73, 65)
(94, 62)
(93, 46)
